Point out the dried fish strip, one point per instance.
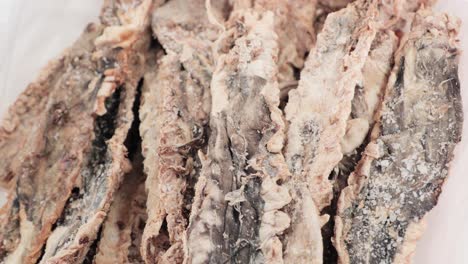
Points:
(317, 113)
(399, 178)
(237, 199)
(55, 153)
(104, 168)
(167, 138)
(23, 115)
(123, 228)
(367, 99)
(174, 113)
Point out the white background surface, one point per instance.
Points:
(32, 32)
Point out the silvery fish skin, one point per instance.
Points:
(399, 178)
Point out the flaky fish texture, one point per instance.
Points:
(399, 178)
(174, 113)
(24, 115)
(236, 214)
(53, 153)
(367, 99)
(317, 113)
(75, 154)
(122, 230)
(294, 27)
(107, 162)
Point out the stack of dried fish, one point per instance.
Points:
(233, 131)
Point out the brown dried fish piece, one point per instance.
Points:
(236, 208)
(55, 150)
(398, 180)
(23, 115)
(123, 228)
(101, 172)
(317, 112)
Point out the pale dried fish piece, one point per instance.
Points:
(122, 230)
(174, 113)
(398, 180)
(317, 112)
(171, 136)
(294, 25)
(236, 211)
(183, 27)
(331, 73)
(366, 101)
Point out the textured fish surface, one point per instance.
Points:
(399, 178)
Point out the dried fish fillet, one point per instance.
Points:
(236, 208)
(64, 148)
(367, 99)
(395, 17)
(55, 152)
(329, 78)
(174, 114)
(103, 170)
(23, 115)
(399, 178)
(317, 112)
(122, 230)
(168, 131)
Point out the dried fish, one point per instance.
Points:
(399, 178)
(367, 99)
(123, 228)
(236, 208)
(53, 154)
(174, 114)
(176, 148)
(68, 150)
(317, 112)
(22, 117)
(106, 164)
(294, 28)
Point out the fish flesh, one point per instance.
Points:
(399, 178)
